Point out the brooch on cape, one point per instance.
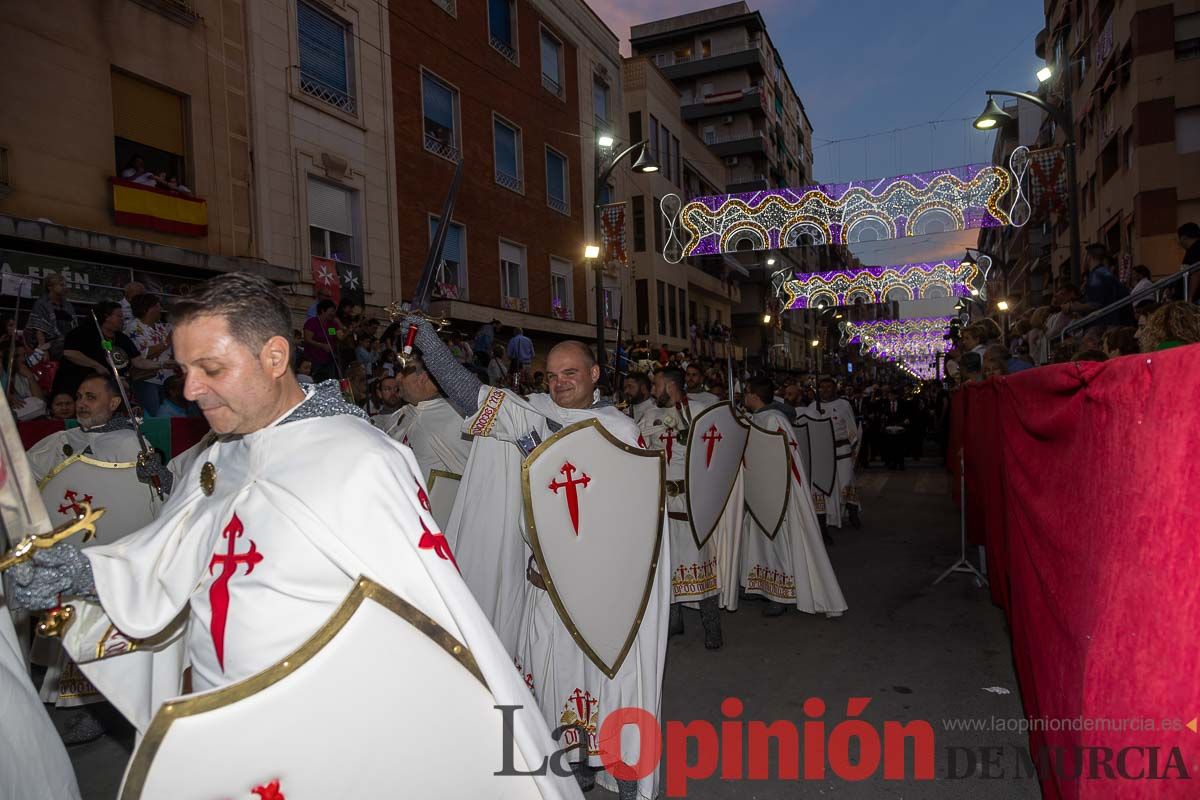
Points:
(208, 478)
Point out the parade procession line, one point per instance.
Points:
(917, 653)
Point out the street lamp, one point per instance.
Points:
(1063, 118)
(605, 163)
(1044, 74)
(1002, 305)
(766, 318)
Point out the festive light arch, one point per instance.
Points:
(873, 283)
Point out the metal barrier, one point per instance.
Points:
(1151, 292)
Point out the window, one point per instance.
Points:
(705, 48)
(639, 224)
(605, 195)
(654, 139)
(659, 241)
(675, 151)
(1109, 159)
(149, 123)
(612, 307)
(662, 308)
(562, 298)
(666, 151)
(671, 302)
(600, 101)
(506, 146)
(502, 15)
(450, 281)
(512, 277)
(642, 290)
(552, 64)
(330, 221)
(326, 69)
(635, 126)
(449, 6)
(557, 194)
(1187, 36)
(440, 101)
(1187, 129)
(710, 135)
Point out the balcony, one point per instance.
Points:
(138, 206)
(504, 48)
(552, 86)
(711, 105)
(515, 303)
(680, 68)
(737, 144)
(510, 182)
(439, 146)
(754, 184)
(338, 98)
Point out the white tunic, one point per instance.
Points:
(489, 520)
(693, 569)
(638, 411)
(794, 568)
(433, 429)
(115, 446)
(232, 581)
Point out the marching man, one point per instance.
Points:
(264, 536)
(428, 423)
(102, 432)
(794, 567)
(489, 516)
(845, 429)
(638, 395)
(693, 569)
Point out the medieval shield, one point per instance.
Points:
(767, 477)
(822, 466)
(112, 485)
(594, 513)
(714, 456)
(803, 448)
(259, 736)
(443, 488)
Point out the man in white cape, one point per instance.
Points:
(260, 544)
(488, 521)
(693, 569)
(102, 432)
(428, 423)
(638, 397)
(794, 568)
(843, 503)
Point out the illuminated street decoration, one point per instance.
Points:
(919, 328)
(881, 284)
(913, 344)
(918, 204)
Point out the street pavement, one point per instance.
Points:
(915, 651)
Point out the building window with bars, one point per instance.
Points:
(506, 146)
(326, 57)
(562, 304)
(552, 64)
(440, 104)
(450, 278)
(502, 27)
(331, 222)
(557, 188)
(512, 277)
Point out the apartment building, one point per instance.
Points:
(1132, 72)
(518, 89)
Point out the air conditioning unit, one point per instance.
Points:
(731, 161)
(727, 119)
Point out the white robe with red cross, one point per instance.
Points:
(230, 583)
(489, 519)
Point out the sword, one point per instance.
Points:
(147, 453)
(419, 306)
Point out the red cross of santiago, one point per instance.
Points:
(218, 593)
(711, 437)
(73, 501)
(568, 469)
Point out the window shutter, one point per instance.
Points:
(511, 253)
(146, 114)
(322, 47)
(329, 208)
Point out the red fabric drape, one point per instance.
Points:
(1085, 478)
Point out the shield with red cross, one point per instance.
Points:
(767, 474)
(322, 721)
(820, 456)
(594, 515)
(714, 456)
(112, 485)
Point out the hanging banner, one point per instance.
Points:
(327, 284)
(1047, 181)
(612, 236)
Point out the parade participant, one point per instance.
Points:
(638, 395)
(428, 423)
(264, 499)
(845, 430)
(385, 398)
(793, 568)
(489, 520)
(693, 569)
(102, 432)
(696, 390)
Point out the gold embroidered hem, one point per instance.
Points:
(777, 585)
(581, 711)
(486, 417)
(74, 686)
(850, 494)
(818, 502)
(695, 582)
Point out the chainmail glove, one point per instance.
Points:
(150, 466)
(59, 570)
(459, 383)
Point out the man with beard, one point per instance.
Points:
(638, 395)
(696, 390)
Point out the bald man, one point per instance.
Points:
(486, 531)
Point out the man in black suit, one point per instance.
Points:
(896, 417)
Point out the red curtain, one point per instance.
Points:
(1082, 479)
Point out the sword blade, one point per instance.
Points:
(433, 259)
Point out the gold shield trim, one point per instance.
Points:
(701, 541)
(95, 462)
(535, 543)
(364, 589)
(434, 474)
(773, 530)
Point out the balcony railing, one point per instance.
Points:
(510, 181)
(719, 138)
(671, 59)
(338, 98)
(446, 291)
(558, 204)
(552, 86)
(504, 48)
(438, 147)
(560, 311)
(515, 303)
(449, 6)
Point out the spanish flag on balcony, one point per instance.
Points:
(141, 206)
